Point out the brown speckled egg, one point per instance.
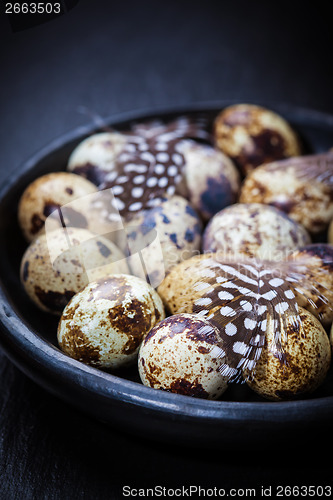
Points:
(104, 324)
(59, 263)
(253, 230)
(304, 363)
(48, 194)
(178, 290)
(314, 270)
(163, 236)
(302, 187)
(211, 180)
(252, 135)
(176, 356)
(94, 158)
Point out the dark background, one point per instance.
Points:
(111, 57)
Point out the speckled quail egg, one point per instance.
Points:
(303, 365)
(302, 187)
(177, 356)
(51, 192)
(94, 158)
(163, 236)
(211, 181)
(180, 288)
(253, 230)
(104, 324)
(58, 264)
(314, 273)
(252, 135)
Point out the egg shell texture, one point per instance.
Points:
(301, 187)
(253, 230)
(176, 356)
(169, 233)
(48, 194)
(94, 158)
(252, 135)
(57, 265)
(316, 278)
(178, 291)
(302, 367)
(212, 181)
(104, 324)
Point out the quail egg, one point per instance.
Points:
(253, 230)
(314, 273)
(183, 285)
(177, 356)
(163, 236)
(296, 369)
(104, 324)
(252, 135)
(301, 187)
(71, 193)
(211, 181)
(59, 263)
(94, 158)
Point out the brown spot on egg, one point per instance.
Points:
(194, 389)
(75, 343)
(134, 321)
(53, 300)
(36, 224)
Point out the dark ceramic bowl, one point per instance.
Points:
(28, 336)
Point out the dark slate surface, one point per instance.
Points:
(110, 57)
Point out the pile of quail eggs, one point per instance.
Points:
(115, 243)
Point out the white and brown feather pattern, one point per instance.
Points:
(151, 164)
(245, 299)
(316, 168)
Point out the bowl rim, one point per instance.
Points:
(18, 339)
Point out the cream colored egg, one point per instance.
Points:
(253, 230)
(161, 237)
(303, 365)
(211, 180)
(301, 187)
(252, 135)
(60, 263)
(177, 356)
(94, 158)
(104, 324)
(48, 194)
(314, 270)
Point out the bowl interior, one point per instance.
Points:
(315, 131)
